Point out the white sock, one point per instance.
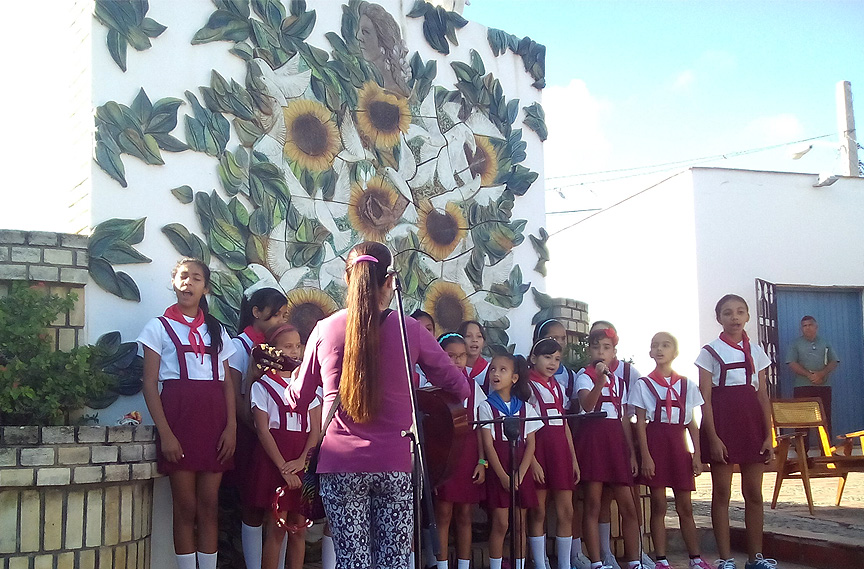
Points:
(520, 563)
(411, 559)
(605, 531)
(562, 551)
(283, 551)
(441, 564)
(596, 565)
(185, 561)
(251, 537)
(634, 564)
(537, 546)
(328, 553)
(694, 561)
(206, 560)
(463, 563)
(575, 550)
(494, 563)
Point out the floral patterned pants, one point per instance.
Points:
(371, 518)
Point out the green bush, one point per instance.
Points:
(40, 386)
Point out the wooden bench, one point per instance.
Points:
(834, 462)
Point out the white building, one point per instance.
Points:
(707, 232)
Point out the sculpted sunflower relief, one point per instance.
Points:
(357, 140)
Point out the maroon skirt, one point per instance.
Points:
(673, 463)
(602, 452)
(265, 478)
(247, 440)
(196, 412)
(499, 497)
(553, 454)
(459, 488)
(739, 423)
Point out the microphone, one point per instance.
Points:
(607, 373)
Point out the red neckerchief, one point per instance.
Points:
(478, 367)
(254, 335)
(550, 384)
(660, 380)
(591, 371)
(196, 340)
(278, 378)
(614, 366)
(749, 366)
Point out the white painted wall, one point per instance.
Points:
(634, 264)
(773, 226)
(662, 259)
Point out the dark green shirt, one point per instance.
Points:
(812, 356)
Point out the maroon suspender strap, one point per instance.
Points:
(614, 400)
(246, 345)
(283, 408)
(183, 349)
(680, 402)
(571, 383)
(544, 407)
(724, 367)
(499, 427)
(626, 377)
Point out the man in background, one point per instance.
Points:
(812, 360)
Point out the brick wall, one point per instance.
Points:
(76, 497)
(573, 314)
(57, 259)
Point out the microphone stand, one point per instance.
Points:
(512, 427)
(422, 486)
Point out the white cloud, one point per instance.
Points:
(684, 80)
(577, 142)
(711, 65)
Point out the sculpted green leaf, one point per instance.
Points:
(535, 119)
(128, 288)
(103, 275)
(127, 24)
(223, 26)
(183, 194)
(121, 253)
(152, 28)
(117, 48)
(109, 160)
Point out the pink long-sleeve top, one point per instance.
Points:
(376, 446)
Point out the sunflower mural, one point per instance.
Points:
(352, 137)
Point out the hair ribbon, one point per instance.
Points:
(362, 258)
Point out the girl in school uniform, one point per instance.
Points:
(508, 397)
(664, 403)
(261, 310)
(736, 426)
(186, 352)
(553, 329)
(554, 468)
(475, 341)
(629, 375)
(606, 448)
(285, 439)
(466, 486)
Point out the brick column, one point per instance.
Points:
(76, 497)
(57, 259)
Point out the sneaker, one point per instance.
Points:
(761, 563)
(725, 564)
(612, 563)
(580, 561)
(647, 562)
(701, 564)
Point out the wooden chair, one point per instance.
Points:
(806, 413)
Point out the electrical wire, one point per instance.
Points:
(665, 166)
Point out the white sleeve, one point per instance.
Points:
(532, 426)
(583, 382)
(694, 396)
(227, 346)
(640, 396)
(258, 396)
(706, 361)
(151, 335)
(760, 358)
(239, 360)
(484, 413)
(479, 399)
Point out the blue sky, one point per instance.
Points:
(641, 83)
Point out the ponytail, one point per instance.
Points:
(520, 389)
(214, 327)
(366, 272)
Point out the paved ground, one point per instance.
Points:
(833, 537)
